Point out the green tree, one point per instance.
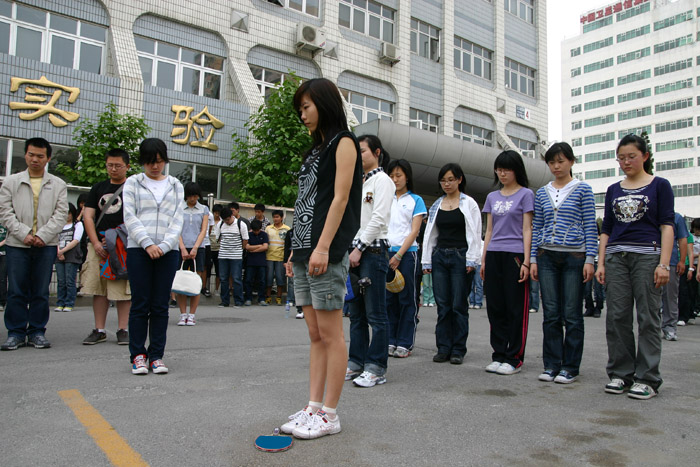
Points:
(645, 137)
(94, 138)
(266, 160)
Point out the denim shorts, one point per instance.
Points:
(324, 292)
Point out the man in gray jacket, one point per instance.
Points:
(34, 208)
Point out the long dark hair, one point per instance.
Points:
(329, 104)
(560, 148)
(640, 144)
(456, 171)
(375, 143)
(73, 211)
(405, 166)
(511, 160)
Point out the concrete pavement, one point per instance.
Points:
(239, 372)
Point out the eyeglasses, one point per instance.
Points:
(115, 166)
(629, 157)
(448, 181)
(502, 171)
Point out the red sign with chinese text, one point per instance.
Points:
(610, 9)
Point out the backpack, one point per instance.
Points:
(114, 267)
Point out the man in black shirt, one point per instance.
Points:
(106, 210)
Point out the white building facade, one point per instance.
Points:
(635, 67)
(197, 69)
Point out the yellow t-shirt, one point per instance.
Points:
(36, 188)
(275, 247)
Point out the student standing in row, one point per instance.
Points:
(68, 259)
(276, 232)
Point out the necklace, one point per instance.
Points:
(450, 204)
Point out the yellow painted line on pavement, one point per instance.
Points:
(106, 437)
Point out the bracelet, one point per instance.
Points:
(691, 269)
(526, 265)
(398, 256)
(663, 266)
(321, 253)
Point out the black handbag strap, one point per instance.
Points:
(108, 204)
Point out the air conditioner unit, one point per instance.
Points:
(310, 38)
(389, 54)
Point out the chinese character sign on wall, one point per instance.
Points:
(44, 102)
(195, 127)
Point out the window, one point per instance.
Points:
(599, 198)
(267, 80)
(52, 38)
(575, 52)
(524, 145)
(632, 77)
(575, 92)
(576, 125)
(600, 156)
(675, 105)
(367, 108)
(575, 142)
(599, 120)
(180, 69)
(523, 9)
(634, 113)
(608, 41)
(604, 173)
(601, 23)
(670, 87)
(634, 55)
(674, 125)
(677, 144)
(633, 33)
(310, 7)
(601, 138)
(575, 108)
(682, 191)
(631, 12)
(673, 43)
(519, 77)
(668, 22)
(634, 95)
(368, 17)
(425, 40)
(634, 131)
(473, 58)
(423, 120)
(675, 66)
(598, 65)
(575, 71)
(473, 133)
(599, 103)
(599, 86)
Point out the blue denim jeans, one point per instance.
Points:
(369, 310)
(231, 268)
(561, 285)
(28, 277)
(3, 280)
(150, 281)
(451, 285)
(253, 274)
(534, 295)
(402, 307)
(476, 297)
(65, 277)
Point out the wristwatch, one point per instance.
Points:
(663, 266)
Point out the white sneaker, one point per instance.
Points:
(158, 367)
(492, 367)
(392, 349)
(367, 380)
(190, 319)
(298, 420)
(300, 315)
(139, 366)
(318, 426)
(183, 319)
(680, 322)
(60, 308)
(547, 376)
(508, 369)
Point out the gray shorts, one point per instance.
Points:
(324, 292)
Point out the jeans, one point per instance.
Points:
(402, 307)
(276, 271)
(451, 285)
(231, 268)
(476, 297)
(687, 296)
(370, 310)
(65, 276)
(150, 282)
(594, 294)
(560, 275)
(428, 297)
(290, 289)
(27, 310)
(3, 280)
(534, 295)
(255, 273)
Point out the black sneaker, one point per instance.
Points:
(38, 341)
(13, 343)
(122, 337)
(172, 304)
(206, 293)
(441, 357)
(96, 337)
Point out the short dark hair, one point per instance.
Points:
(72, 210)
(259, 207)
(405, 167)
(640, 144)
(234, 205)
(82, 198)
(511, 160)
(226, 213)
(39, 143)
(255, 224)
(192, 189)
(278, 212)
(375, 143)
(217, 208)
(456, 171)
(560, 148)
(116, 152)
(695, 225)
(150, 149)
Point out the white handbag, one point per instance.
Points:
(187, 282)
